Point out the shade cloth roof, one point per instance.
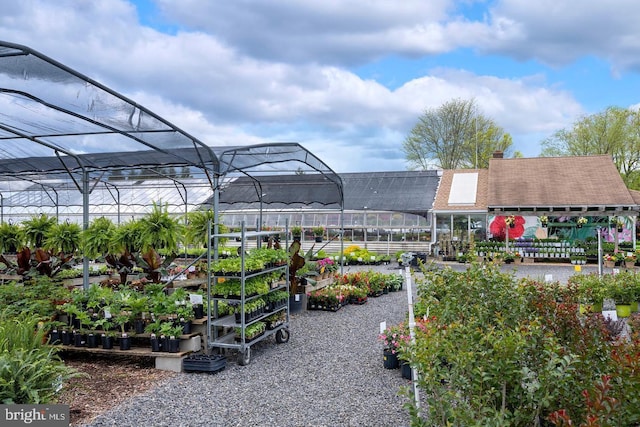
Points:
(405, 191)
(60, 129)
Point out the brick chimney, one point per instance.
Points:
(498, 154)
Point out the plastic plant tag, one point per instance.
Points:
(383, 327)
(195, 298)
(610, 314)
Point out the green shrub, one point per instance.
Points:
(30, 373)
(496, 351)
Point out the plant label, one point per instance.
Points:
(107, 313)
(383, 327)
(195, 298)
(611, 314)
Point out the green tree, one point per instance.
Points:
(454, 136)
(614, 131)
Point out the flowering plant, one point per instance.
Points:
(630, 257)
(395, 336)
(582, 221)
(325, 264)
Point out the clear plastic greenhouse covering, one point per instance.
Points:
(406, 191)
(63, 133)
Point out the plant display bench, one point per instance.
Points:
(319, 284)
(163, 360)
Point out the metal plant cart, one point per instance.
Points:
(222, 333)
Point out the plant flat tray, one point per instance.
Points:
(204, 363)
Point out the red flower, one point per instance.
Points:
(498, 227)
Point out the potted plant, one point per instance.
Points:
(98, 238)
(617, 223)
(581, 222)
(10, 238)
(171, 334)
(196, 229)
(296, 232)
(153, 329)
(630, 260)
(621, 289)
(544, 220)
(510, 221)
(318, 232)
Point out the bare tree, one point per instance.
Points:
(454, 136)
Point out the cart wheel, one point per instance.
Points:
(282, 335)
(244, 358)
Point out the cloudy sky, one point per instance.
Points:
(346, 79)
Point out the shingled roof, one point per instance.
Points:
(552, 184)
(442, 201)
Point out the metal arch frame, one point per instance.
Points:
(328, 173)
(208, 160)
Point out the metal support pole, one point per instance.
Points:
(406, 260)
(599, 230)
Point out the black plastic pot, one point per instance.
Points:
(54, 337)
(79, 340)
(138, 326)
(92, 340)
(198, 311)
(107, 342)
(155, 344)
(174, 345)
(66, 336)
(125, 343)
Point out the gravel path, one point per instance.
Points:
(329, 373)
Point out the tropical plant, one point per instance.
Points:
(158, 231)
(30, 372)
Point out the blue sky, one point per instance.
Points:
(346, 79)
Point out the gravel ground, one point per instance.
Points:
(329, 373)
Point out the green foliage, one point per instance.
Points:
(159, 230)
(127, 237)
(30, 373)
(36, 297)
(612, 131)
(98, 237)
(64, 237)
(196, 230)
(453, 136)
(36, 228)
(10, 237)
(494, 351)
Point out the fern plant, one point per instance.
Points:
(30, 372)
(159, 230)
(98, 237)
(36, 228)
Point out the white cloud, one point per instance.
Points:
(284, 80)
